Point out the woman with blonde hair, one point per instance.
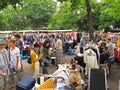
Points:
(74, 81)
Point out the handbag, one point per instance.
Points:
(47, 62)
(3, 72)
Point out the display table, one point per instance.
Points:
(57, 80)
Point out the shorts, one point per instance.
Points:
(3, 81)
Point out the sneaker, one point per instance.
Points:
(12, 86)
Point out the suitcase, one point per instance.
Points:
(26, 84)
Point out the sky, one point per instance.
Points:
(99, 0)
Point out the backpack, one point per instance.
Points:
(29, 61)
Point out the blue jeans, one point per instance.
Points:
(12, 70)
(45, 69)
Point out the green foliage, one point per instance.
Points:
(63, 19)
(105, 13)
(72, 15)
(75, 4)
(43, 14)
(38, 12)
(5, 3)
(3, 22)
(31, 14)
(109, 13)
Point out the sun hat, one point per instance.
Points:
(2, 42)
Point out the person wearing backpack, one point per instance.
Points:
(3, 65)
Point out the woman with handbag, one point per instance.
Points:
(35, 57)
(46, 57)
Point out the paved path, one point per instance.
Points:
(112, 82)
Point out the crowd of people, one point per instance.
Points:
(102, 50)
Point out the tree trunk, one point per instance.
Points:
(90, 20)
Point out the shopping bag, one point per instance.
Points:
(3, 72)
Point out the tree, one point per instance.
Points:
(38, 12)
(63, 19)
(13, 19)
(31, 14)
(5, 3)
(96, 8)
(72, 14)
(90, 19)
(109, 13)
(75, 4)
(3, 22)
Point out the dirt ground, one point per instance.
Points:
(112, 81)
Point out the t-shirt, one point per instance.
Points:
(104, 57)
(110, 48)
(19, 43)
(59, 44)
(82, 43)
(13, 58)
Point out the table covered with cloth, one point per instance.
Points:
(57, 80)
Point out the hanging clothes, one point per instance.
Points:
(90, 59)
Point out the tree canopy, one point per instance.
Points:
(69, 14)
(5, 3)
(32, 14)
(63, 19)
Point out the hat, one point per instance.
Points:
(2, 42)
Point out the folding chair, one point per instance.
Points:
(97, 79)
